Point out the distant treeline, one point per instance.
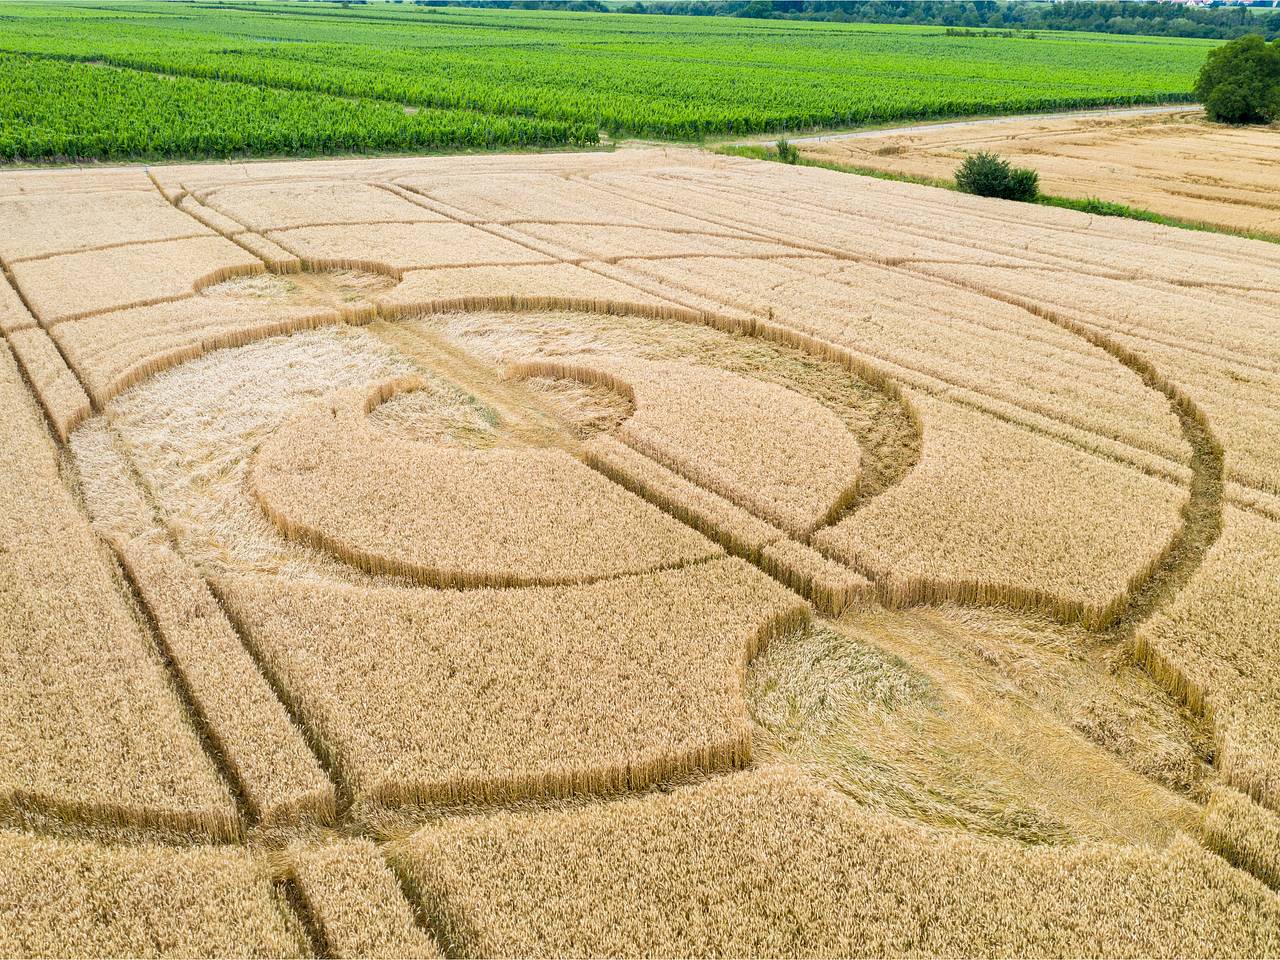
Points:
(1149, 19)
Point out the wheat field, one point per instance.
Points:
(641, 553)
(1174, 163)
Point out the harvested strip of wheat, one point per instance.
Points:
(453, 517)
(711, 515)
(90, 726)
(272, 763)
(831, 586)
(66, 899)
(276, 257)
(114, 351)
(285, 204)
(78, 284)
(56, 386)
(356, 900)
(209, 217)
(60, 223)
(1214, 645)
(14, 314)
(535, 692)
(396, 247)
(769, 864)
(1246, 834)
(778, 453)
(995, 514)
(549, 286)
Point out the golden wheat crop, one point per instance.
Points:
(453, 517)
(363, 578)
(72, 899)
(1214, 645)
(57, 388)
(73, 180)
(14, 314)
(549, 690)
(990, 354)
(74, 285)
(115, 502)
(830, 585)
(541, 197)
(211, 218)
(1212, 342)
(542, 286)
(276, 257)
(712, 515)
(356, 901)
(1247, 834)
(768, 864)
(615, 242)
(778, 453)
(113, 351)
(91, 727)
(396, 247)
(286, 204)
(53, 223)
(997, 514)
(271, 763)
(193, 433)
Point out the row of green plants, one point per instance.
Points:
(51, 110)
(569, 76)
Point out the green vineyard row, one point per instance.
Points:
(154, 79)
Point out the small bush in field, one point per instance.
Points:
(988, 175)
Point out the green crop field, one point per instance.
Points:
(152, 80)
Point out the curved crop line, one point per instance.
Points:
(1202, 516)
(438, 577)
(586, 373)
(205, 280)
(733, 751)
(1203, 513)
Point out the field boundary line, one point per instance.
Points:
(295, 899)
(325, 756)
(209, 739)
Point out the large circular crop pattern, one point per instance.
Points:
(635, 553)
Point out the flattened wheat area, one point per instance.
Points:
(631, 552)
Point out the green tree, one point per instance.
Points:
(1240, 81)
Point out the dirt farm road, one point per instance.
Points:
(929, 127)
